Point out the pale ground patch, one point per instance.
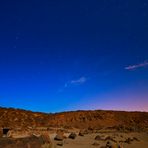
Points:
(87, 141)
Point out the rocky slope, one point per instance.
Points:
(80, 119)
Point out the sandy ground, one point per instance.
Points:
(87, 141)
(125, 140)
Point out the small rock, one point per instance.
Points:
(128, 140)
(109, 138)
(72, 136)
(95, 144)
(60, 144)
(59, 137)
(98, 137)
(81, 134)
(112, 145)
(108, 144)
(135, 139)
(44, 138)
(85, 132)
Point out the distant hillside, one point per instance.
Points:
(80, 119)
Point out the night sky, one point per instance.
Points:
(60, 55)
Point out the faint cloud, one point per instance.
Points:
(79, 81)
(132, 67)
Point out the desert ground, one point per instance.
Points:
(75, 138)
(88, 141)
(79, 129)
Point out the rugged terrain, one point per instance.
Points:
(97, 119)
(77, 129)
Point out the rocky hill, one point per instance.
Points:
(16, 118)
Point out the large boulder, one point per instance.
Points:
(28, 142)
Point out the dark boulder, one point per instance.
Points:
(98, 137)
(59, 137)
(72, 136)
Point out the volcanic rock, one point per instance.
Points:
(72, 136)
(59, 137)
(98, 137)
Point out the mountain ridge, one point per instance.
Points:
(95, 119)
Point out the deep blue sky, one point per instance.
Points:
(58, 55)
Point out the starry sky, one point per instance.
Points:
(60, 55)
